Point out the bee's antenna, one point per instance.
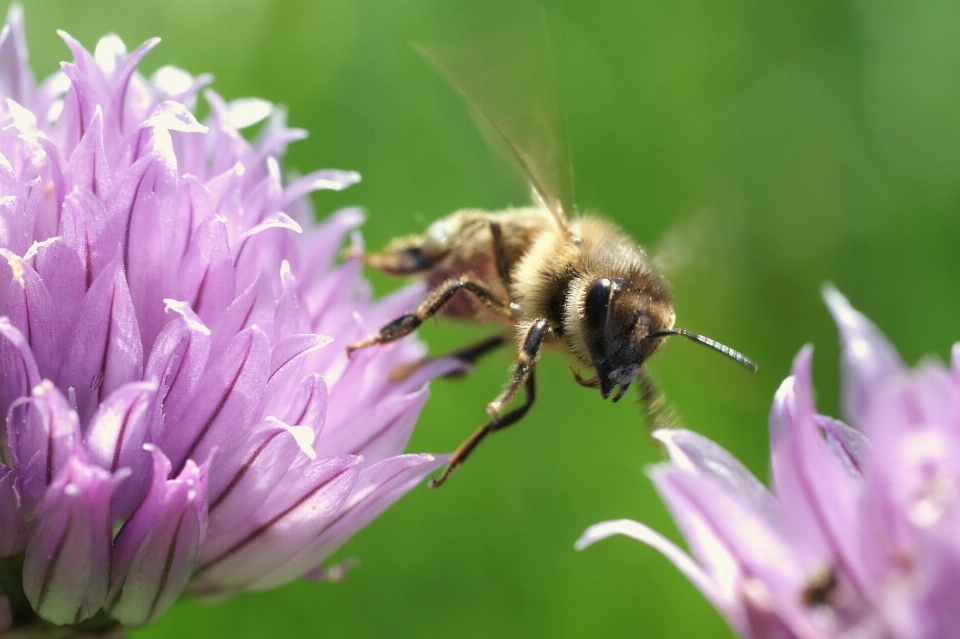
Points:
(706, 341)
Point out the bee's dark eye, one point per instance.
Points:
(597, 303)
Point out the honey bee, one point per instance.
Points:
(577, 283)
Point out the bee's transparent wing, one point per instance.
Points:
(503, 66)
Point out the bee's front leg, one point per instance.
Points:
(522, 376)
(406, 324)
(658, 411)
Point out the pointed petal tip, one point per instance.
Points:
(14, 12)
(675, 440)
(803, 361)
(668, 435)
(351, 217)
(644, 534)
(839, 306)
(604, 529)
(867, 356)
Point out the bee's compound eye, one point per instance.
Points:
(597, 303)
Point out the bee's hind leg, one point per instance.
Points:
(522, 376)
(406, 324)
(468, 355)
(402, 256)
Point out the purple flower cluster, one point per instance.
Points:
(179, 411)
(861, 536)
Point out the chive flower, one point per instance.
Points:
(180, 415)
(860, 536)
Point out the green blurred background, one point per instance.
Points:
(778, 145)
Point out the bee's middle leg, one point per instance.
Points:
(467, 447)
(526, 360)
(522, 376)
(406, 324)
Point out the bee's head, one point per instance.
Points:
(622, 322)
(617, 319)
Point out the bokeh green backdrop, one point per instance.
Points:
(779, 145)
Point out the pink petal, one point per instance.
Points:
(104, 351)
(156, 550)
(722, 601)
(697, 454)
(285, 522)
(12, 531)
(44, 435)
(66, 563)
(378, 487)
(868, 358)
(820, 500)
(230, 400)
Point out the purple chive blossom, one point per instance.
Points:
(180, 412)
(860, 537)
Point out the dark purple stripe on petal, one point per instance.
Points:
(254, 306)
(54, 562)
(30, 308)
(44, 434)
(378, 487)
(88, 168)
(81, 253)
(156, 549)
(106, 326)
(122, 79)
(168, 566)
(115, 436)
(216, 411)
(380, 432)
(287, 358)
(848, 445)
(232, 400)
(207, 278)
(266, 526)
(307, 406)
(177, 361)
(67, 560)
(20, 371)
(260, 445)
